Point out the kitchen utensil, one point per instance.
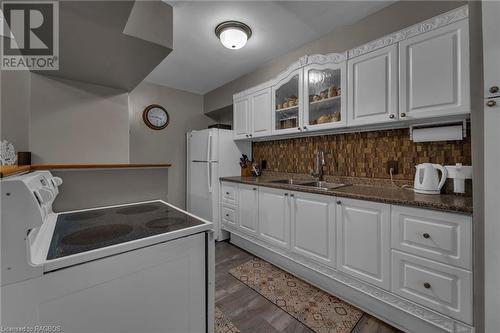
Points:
(427, 179)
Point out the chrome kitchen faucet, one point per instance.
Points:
(319, 163)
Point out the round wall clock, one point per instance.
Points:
(155, 117)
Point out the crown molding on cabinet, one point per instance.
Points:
(434, 318)
(303, 61)
(454, 15)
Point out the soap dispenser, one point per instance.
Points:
(459, 173)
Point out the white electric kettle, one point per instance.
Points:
(427, 179)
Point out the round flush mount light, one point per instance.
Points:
(233, 34)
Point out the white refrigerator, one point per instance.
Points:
(211, 154)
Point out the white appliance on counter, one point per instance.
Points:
(138, 267)
(427, 179)
(211, 154)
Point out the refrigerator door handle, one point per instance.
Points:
(200, 161)
(209, 177)
(209, 166)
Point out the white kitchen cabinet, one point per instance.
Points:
(434, 73)
(241, 126)
(260, 113)
(248, 208)
(324, 105)
(274, 216)
(287, 104)
(363, 246)
(373, 87)
(313, 226)
(437, 286)
(441, 236)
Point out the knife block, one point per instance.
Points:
(247, 172)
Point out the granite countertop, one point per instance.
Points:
(384, 194)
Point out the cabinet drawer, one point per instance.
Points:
(443, 288)
(445, 237)
(230, 193)
(229, 215)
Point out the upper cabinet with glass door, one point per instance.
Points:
(324, 87)
(286, 99)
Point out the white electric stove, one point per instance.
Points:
(138, 267)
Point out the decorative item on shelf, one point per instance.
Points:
(23, 158)
(324, 119)
(316, 98)
(339, 90)
(155, 117)
(336, 116)
(288, 123)
(278, 106)
(7, 153)
(324, 94)
(332, 91)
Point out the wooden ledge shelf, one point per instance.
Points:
(96, 166)
(9, 170)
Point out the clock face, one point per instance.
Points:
(156, 117)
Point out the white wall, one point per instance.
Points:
(73, 122)
(168, 145)
(15, 108)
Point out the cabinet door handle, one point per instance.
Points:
(402, 114)
(227, 215)
(255, 188)
(305, 127)
(427, 285)
(494, 89)
(491, 103)
(339, 202)
(300, 129)
(246, 135)
(227, 193)
(391, 116)
(292, 195)
(426, 235)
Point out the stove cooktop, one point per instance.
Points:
(89, 230)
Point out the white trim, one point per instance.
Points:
(417, 29)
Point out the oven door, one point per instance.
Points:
(160, 288)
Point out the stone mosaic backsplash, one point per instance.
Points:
(362, 154)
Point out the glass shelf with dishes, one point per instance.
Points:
(286, 100)
(325, 95)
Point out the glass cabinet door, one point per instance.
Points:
(287, 108)
(324, 86)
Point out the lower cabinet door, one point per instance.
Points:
(313, 226)
(363, 240)
(248, 208)
(441, 287)
(274, 216)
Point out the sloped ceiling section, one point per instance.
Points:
(112, 43)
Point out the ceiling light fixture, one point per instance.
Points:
(233, 34)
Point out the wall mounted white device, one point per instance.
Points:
(459, 173)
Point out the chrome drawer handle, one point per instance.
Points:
(491, 103)
(339, 202)
(426, 235)
(227, 215)
(286, 194)
(494, 89)
(427, 285)
(227, 193)
(391, 116)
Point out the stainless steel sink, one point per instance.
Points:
(316, 184)
(324, 185)
(289, 181)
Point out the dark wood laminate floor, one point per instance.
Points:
(251, 313)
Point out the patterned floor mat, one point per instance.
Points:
(320, 311)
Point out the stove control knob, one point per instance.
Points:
(46, 195)
(57, 181)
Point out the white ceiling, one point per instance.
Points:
(199, 63)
